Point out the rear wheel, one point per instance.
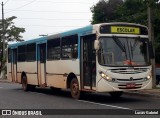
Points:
(25, 85)
(116, 94)
(74, 86)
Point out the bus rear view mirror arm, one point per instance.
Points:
(96, 44)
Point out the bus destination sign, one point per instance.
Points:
(125, 30)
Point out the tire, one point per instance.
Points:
(25, 85)
(74, 86)
(116, 94)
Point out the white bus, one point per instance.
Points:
(107, 57)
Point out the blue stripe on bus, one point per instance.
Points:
(37, 40)
(77, 31)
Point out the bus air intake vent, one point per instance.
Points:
(129, 71)
(128, 80)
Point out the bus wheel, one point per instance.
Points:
(25, 85)
(116, 94)
(74, 86)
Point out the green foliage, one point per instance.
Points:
(105, 11)
(132, 11)
(12, 33)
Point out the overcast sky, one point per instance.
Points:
(48, 16)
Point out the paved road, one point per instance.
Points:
(13, 97)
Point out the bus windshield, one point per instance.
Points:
(123, 51)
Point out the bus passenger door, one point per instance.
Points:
(14, 65)
(88, 62)
(42, 64)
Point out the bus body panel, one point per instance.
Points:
(58, 70)
(30, 69)
(9, 76)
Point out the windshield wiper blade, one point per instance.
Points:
(120, 45)
(133, 47)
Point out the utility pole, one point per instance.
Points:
(3, 45)
(151, 39)
(3, 33)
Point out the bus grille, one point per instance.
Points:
(128, 80)
(129, 71)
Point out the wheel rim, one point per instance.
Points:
(75, 89)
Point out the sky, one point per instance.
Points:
(47, 17)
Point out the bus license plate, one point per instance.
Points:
(130, 85)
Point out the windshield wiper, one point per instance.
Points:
(133, 47)
(120, 45)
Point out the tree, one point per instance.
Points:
(104, 11)
(134, 11)
(10, 33)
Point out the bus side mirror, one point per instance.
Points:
(96, 44)
(151, 51)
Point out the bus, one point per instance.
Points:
(107, 58)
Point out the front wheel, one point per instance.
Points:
(74, 86)
(116, 94)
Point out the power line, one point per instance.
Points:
(45, 11)
(21, 6)
(6, 2)
(67, 2)
(48, 19)
(44, 26)
(57, 2)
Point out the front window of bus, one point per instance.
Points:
(118, 51)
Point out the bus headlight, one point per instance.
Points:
(104, 76)
(149, 77)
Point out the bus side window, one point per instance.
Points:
(53, 49)
(70, 47)
(31, 52)
(22, 53)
